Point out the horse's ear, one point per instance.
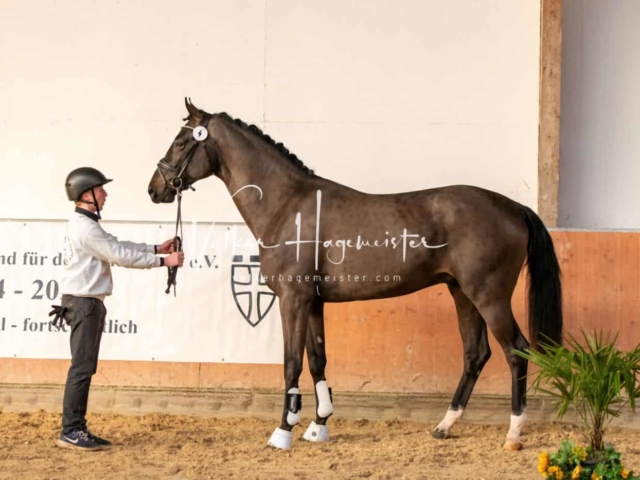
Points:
(194, 112)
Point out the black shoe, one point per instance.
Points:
(78, 439)
(100, 441)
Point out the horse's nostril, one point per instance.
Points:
(150, 190)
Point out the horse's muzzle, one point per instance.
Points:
(167, 196)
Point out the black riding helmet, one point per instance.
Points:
(82, 179)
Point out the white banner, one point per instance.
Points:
(220, 314)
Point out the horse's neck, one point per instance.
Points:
(258, 178)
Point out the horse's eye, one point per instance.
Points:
(179, 143)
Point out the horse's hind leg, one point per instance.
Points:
(294, 309)
(473, 330)
(316, 354)
(501, 322)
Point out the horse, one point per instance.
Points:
(313, 234)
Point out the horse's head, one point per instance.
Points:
(191, 157)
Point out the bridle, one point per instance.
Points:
(178, 184)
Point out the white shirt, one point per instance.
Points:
(89, 251)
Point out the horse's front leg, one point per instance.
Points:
(294, 309)
(316, 354)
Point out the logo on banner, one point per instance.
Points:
(252, 296)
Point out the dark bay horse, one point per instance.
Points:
(324, 242)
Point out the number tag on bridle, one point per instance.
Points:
(200, 133)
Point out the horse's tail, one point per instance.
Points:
(543, 282)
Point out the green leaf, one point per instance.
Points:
(592, 376)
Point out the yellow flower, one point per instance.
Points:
(580, 453)
(625, 473)
(557, 471)
(576, 473)
(543, 463)
(595, 477)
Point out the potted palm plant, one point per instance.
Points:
(598, 381)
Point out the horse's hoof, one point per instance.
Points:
(512, 445)
(316, 433)
(439, 434)
(281, 439)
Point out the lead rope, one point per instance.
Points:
(177, 246)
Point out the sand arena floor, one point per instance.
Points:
(179, 447)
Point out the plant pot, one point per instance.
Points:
(597, 458)
(592, 462)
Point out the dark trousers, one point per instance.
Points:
(86, 317)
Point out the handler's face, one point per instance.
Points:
(101, 196)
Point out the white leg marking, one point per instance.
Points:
(449, 420)
(517, 422)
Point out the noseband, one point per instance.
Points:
(177, 184)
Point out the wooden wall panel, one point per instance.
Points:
(549, 117)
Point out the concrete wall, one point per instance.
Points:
(600, 120)
(384, 97)
(409, 344)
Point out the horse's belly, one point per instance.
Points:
(345, 287)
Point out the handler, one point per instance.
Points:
(89, 251)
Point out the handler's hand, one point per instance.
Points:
(166, 247)
(176, 259)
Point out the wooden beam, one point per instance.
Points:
(549, 118)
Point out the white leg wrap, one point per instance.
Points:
(517, 422)
(281, 439)
(293, 418)
(325, 407)
(316, 433)
(449, 420)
